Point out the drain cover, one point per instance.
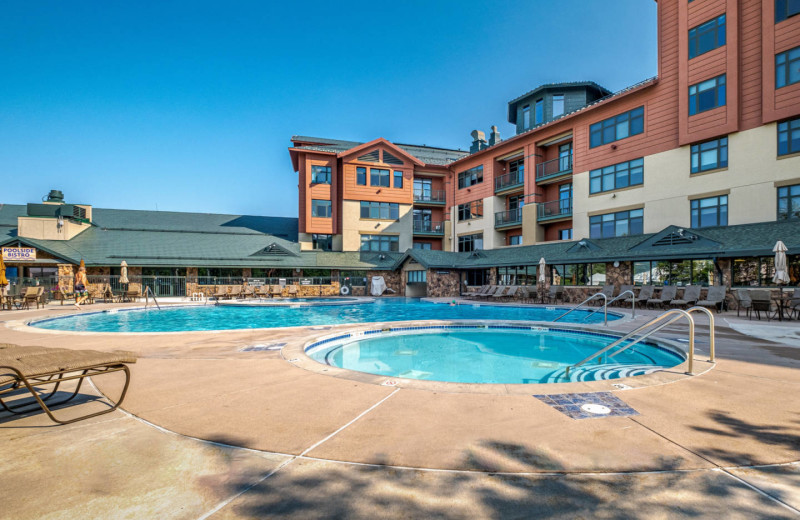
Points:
(597, 409)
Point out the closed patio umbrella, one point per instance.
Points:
(781, 276)
(542, 267)
(3, 279)
(123, 272)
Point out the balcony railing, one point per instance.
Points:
(507, 218)
(432, 196)
(554, 209)
(428, 227)
(509, 180)
(554, 167)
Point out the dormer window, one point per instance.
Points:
(526, 117)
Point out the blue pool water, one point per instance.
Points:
(211, 317)
(491, 356)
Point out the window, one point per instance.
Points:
(378, 177)
(322, 242)
(707, 36)
(710, 212)
(423, 189)
(558, 105)
(467, 243)
(422, 245)
(516, 171)
(476, 276)
(380, 243)
(539, 116)
(320, 174)
(755, 271)
(619, 224)
(616, 128)
(565, 234)
(361, 176)
(578, 274)
(707, 95)
(321, 208)
(470, 210)
(565, 157)
(354, 278)
(380, 210)
(515, 240)
(517, 275)
(470, 177)
(785, 9)
(398, 179)
(789, 137)
(417, 276)
(789, 202)
(787, 68)
(526, 117)
(675, 272)
(622, 175)
(710, 155)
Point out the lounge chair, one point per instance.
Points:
(528, 293)
(32, 294)
(236, 292)
(476, 292)
(762, 302)
(494, 289)
(668, 293)
(248, 292)
(262, 291)
(484, 290)
(555, 293)
(63, 295)
(34, 368)
(622, 289)
(715, 297)
(608, 290)
(645, 293)
(275, 291)
(292, 291)
(512, 291)
(132, 295)
(691, 293)
(220, 293)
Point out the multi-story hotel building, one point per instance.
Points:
(712, 140)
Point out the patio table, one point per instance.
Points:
(782, 304)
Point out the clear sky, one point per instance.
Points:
(190, 106)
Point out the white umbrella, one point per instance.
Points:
(781, 276)
(123, 272)
(542, 267)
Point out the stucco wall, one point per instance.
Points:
(353, 226)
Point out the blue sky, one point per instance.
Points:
(190, 106)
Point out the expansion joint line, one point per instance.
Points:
(721, 469)
(293, 458)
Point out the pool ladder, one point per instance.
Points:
(149, 291)
(676, 315)
(604, 307)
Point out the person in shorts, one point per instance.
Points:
(81, 291)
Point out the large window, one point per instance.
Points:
(517, 275)
(470, 210)
(417, 276)
(322, 242)
(380, 243)
(707, 36)
(710, 212)
(787, 68)
(789, 137)
(476, 276)
(558, 105)
(710, 155)
(707, 95)
(539, 111)
(470, 177)
(619, 224)
(785, 9)
(467, 243)
(398, 179)
(578, 274)
(675, 272)
(320, 174)
(789, 202)
(616, 128)
(361, 176)
(378, 177)
(321, 208)
(421, 245)
(526, 117)
(755, 271)
(380, 210)
(622, 175)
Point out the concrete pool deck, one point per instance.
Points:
(210, 431)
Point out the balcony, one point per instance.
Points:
(554, 210)
(553, 170)
(429, 228)
(510, 218)
(509, 181)
(432, 197)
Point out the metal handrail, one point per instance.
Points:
(587, 300)
(147, 290)
(681, 314)
(711, 327)
(620, 295)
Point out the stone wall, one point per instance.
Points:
(393, 279)
(66, 277)
(444, 285)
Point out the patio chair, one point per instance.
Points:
(292, 291)
(63, 295)
(608, 290)
(645, 293)
(236, 292)
(762, 302)
(475, 292)
(794, 304)
(555, 293)
(622, 289)
(132, 295)
(484, 290)
(220, 293)
(275, 291)
(262, 291)
(36, 368)
(512, 291)
(668, 293)
(714, 298)
(32, 294)
(529, 293)
(691, 293)
(248, 292)
(743, 301)
(494, 289)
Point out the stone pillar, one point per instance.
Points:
(445, 284)
(622, 275)
(66, 277)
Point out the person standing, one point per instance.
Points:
(81, 291)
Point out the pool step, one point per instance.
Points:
(606, 371)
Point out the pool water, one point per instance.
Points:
(212, 317)
(492, 356)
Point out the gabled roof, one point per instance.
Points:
(381, 142)
(430, 155)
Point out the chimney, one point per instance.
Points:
(478, 141)
(494, 136)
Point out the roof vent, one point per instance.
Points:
(273, 250)
(391, 159)
(494, 136)
(55, 196)
(478, 141)
(676, 238)
(371, 156)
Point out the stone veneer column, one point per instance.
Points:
(443, 285)
(622, 275)
(66, 277)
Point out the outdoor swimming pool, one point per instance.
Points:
(211, 317)
(495, 354)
